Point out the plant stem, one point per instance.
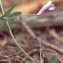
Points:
(10, 32)
(6, 23)
(2, 7)
(29, 15)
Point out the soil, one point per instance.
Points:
(10, 53)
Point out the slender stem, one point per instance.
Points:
(2, 6)
(6, 23)
(29, 15)
(10, 32)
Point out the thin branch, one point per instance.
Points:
(55, 53)
(47, 19)
(38, 38)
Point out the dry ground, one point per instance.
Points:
(10, 53)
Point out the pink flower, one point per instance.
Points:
(48, 6)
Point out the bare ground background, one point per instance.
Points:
(49, 28)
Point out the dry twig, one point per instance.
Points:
(38, 38)
(55, 35)
(47, 19)
(55, 53)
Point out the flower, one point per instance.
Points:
(48, 6)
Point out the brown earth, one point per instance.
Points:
(10, 53)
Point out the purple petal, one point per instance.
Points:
(46, 6)
(52, 7)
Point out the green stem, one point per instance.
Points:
(2, 6)
(29, 15)
(6, 23)
(10, 32)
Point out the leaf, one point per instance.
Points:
(1, 18)
(52, 60)
(13, 15)
(8, 11)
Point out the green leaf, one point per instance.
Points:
(8, 11)
(52, 60)
(15, 14)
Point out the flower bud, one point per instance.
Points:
(48, 6)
